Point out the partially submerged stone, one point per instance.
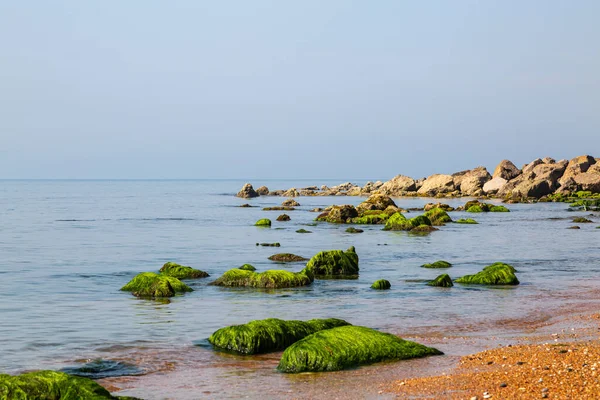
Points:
(149, 284)
(287, 257)
(581, 220)
(347, 347)
(272, 279)
(247, 267)
(475, 206)
(267, 335)
(181, 271)
(247, 192)
(290, 203)
(466, 221)
(381, 284)
(376, 202)
(283, 217)
(399, 222)
(441, 281)
(353, 230)
(338, 214)
(279, 208)
(263, 222)
(51, 385)
(276, 244)
(303, 231)
(334, 262)
(494, 274)
(438, 216)
(437, 264)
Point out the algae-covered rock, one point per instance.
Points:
(475, 206)
(268, 335)
(334, 262)
(149, 284)
(581, 220)
(303, 231)
(437, 216)
(263, 222)
(353, 230)
(437, 264)
(247, 267)
(398, 222)
(339, 214)
(287, 257)
(494, 274)
(381, 284)
(370, 218)
(346, 347)
(499, 209)
(466, 221)
(50, 385)
(475, 209)
(181, 271)
(441, 281)
(283, 218)
(272, 279)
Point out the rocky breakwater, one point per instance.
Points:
(537, 179)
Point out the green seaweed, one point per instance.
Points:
(466, 221)
(247, 267)
(381, 284)
(346, 347)
(334, 262)
(51, 385)
(499, 209)
(181, 272)
(287, 257)
(437, 264)
(273, 279)
(263, 222)
(494, 274)
(438, 216)
(475, 209)
(267, 335)
(371, 218)
(149, 284)
(441, 281)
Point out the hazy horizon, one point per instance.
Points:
(282, 90)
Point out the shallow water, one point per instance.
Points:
(68, 246)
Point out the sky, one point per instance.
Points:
(293, 89)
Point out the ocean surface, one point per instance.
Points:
(67, 247)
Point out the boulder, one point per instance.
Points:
(494, 185)
(548, 160)
(381, 284)
(466, 221)
(268, 335)
(348, 347)
(376, 201)
(471, 183)
(334, 262)
(247, 192)
(339, 214)
(287, 257)
(290, 203)
(522, 187)
(398, 185)
(441, 281)
(263, 191)
(399, 222)
(283, 217)
(577, 166)
(181, 271)
(443, 206)
(506, 170)
(149, 284)
(588, 181)
(293, 192)
(263, 222)
(527, 168)
(437, 264)
(437, 184)
(247, 267)
(437, 216)
(271, 279)
(495, 274)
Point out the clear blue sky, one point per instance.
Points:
(293, 89)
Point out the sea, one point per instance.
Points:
(68, 246)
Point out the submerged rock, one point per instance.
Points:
(51, 385)
(475, 206)
(276, 244)
(290, 203)
(99, 369)
(303, 231)
(267, 335)
(287, 257)
(581, 220)
(346, 347)
(279, 208)
(247, 192)
(466, 221)
(437, 264)
(494, 274)
(181, 271)
(283, 217)
(334, 262)
(353, 230)
(381, 284)
(273, 279)
(441, 281)
(149, 284)
(263, 222)
(445, 207)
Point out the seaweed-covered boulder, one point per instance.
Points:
(399, 222)
(354, 230)
(149, 284)
(381, 284)
(290, 203)
(499, 209)
(248, 267)
(437, 216)
(338, 214)
(371, 218)
(494, 274)
(247, 192)
(181, 271)
(466, 221)
(271, 279)
(334, 262)
(346, 347)
(441, 281)
(267, 335)
(437, 264)
(475, 206)
(263, 222)
(287, 257)
(376, 201)
(51, 385)
(283, 217)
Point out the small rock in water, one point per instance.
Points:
(269, 244)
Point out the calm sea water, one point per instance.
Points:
(68, 246)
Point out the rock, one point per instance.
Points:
(471, 183)
(268, 335)
(581, 220)
(376, 201)
(354, 230)
(437, 216)
(574, 227)
(247, 192)
(334, 262)
(466, 221)
(246, 206)
(290, 203)
(317, 209)
(181, 272)
(371, 217)
(263, 191)
(51, 385)
(475, 206)
(494, 274)
(287, 257)
(99, 369)
(276, 192)
(276, 244)
(576, 166)
(283, 217)
(247, 267)
(347, 347)
(372, 186)
(303, 231)
(293, 192)
(548, 160)
(506, 170)
(398, 185)
(339, 214)
(398, 222)
(437, 264)
(344, 187)
(527, 168)
(272, 279)
(588, 181)
(279, 208)
(381, 284)
(494, 185)
(437, 184)
(441, 281)
(149, 284)
(263, 222)
(444, 207)
(522, 187)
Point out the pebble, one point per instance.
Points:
(503, 384)
(544, 390)
(474, 398)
